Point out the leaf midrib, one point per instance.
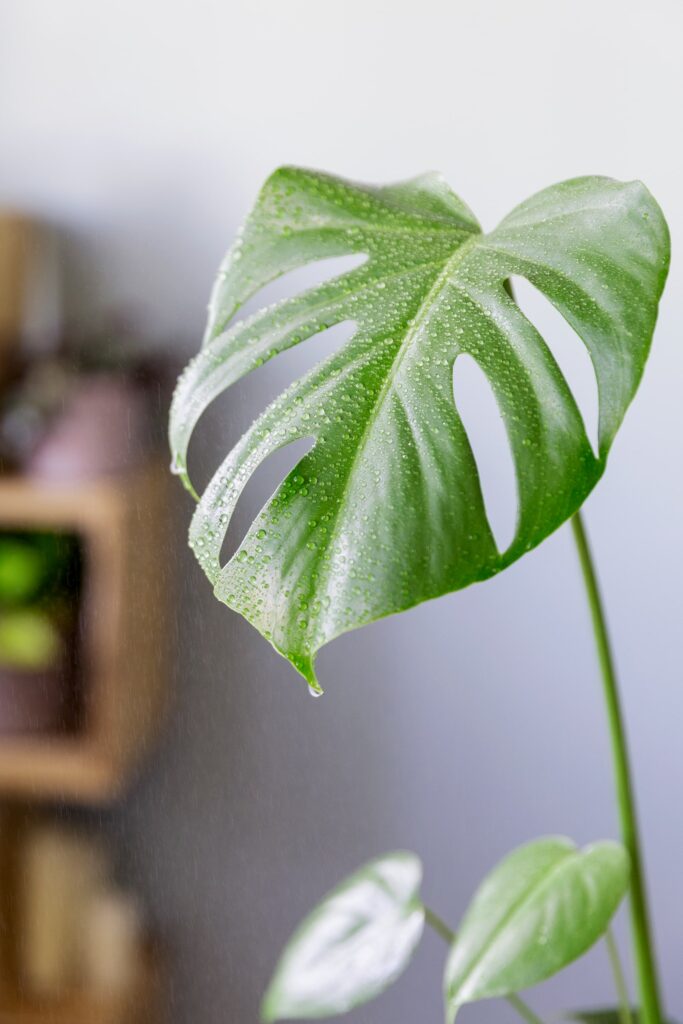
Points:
(516, 907)
(424, 308)
(231, 335)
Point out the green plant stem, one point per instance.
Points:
(448, 935)
(640, 923)
(524, 1010)
(438, 925)
(619, 980)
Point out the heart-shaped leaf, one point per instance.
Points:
(353, 945)
(542, 907)
(386, 509)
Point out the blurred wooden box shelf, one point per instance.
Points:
(30, 301)
(15, 244)
(119, 520)
(143, 1005)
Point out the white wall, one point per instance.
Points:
(144, 130)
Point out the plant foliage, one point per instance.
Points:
(543, 906)
(386, 509)
(353, 945)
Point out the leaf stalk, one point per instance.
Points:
(646, 970)
(438, 925)
(625, 1015)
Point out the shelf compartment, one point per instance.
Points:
(120, 522)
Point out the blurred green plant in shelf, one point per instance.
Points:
(39, 591)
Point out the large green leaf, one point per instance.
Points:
(354, 944)
(542, 907)
(386, 509)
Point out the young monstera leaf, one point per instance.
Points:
(543, 906)
(386, 509)
(353, 945)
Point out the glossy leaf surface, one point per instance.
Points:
(386, 509)
(353, 945)
(539, 909)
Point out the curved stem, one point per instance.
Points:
(438, 925)
(524, 1010)
(448, 935)
(640, 921)
(625, 1015)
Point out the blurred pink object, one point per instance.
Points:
(32, 702)
(104, 429)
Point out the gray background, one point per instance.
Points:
(142, 130)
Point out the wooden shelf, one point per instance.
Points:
(111, 691)
(18, 237)
(73, 767)
(120, 522)
(143, 1005)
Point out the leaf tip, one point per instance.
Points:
(305, 666)
(178, 468)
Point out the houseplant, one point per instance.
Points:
(39, 583)
(386, 510)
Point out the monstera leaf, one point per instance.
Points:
(386, 509)
(353, 945)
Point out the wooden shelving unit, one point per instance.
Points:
(120, 521)
(142, 1005)
(16, 238)
(113, 701)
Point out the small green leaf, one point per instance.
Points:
(542, 907)
(29, 640)
(22, 569)
(353, 945)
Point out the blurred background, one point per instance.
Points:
(172, 800)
